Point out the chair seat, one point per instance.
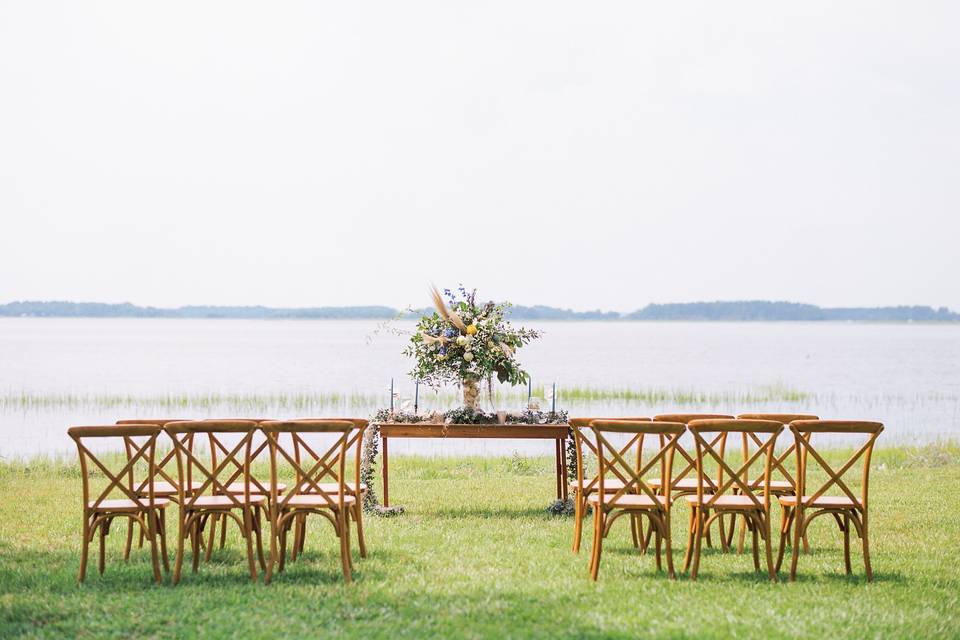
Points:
(823, 502)
(775, 485)
(224, 502)
(738, 502)
(237, 487)
(683, 484)
(123, 504)
(333, 487)
(315, 501)
(631, 501)
(169, 489)
(609, 486)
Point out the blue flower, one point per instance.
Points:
(450, 333)
(443, 350)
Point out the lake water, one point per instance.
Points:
(60, 372)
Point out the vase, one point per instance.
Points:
(471, 393)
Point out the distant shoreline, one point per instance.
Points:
(735, 311)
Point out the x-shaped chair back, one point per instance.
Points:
(780, 458)
(611, 461)
(214, 475)
(355, 440)
(258, 446)
(835, 477)
(166, 466)
(330, 464)
(140, 442)
(690, 464)
(581, 442)
(738, 479)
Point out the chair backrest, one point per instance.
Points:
(685, 418)
(355, 440)
(577, 425)
(329, 465)
(835, 478)
(611, 460)
(781, 458)
(737, 479)
(214, 476)
(140, 442)
(164, 465)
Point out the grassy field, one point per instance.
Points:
(476, 555)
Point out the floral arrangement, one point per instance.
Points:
(466, 342)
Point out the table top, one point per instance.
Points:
(506, 431)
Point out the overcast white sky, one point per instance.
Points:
(578, 155)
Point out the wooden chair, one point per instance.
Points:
(802, 508)
(634, 497)
(581, 490)
(786, 483)
(165, 488)
(735, 495)
(307, 495)
(98, 513)
(246, 508)
(682, 483)
(355, 488)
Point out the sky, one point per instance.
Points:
(577, 155)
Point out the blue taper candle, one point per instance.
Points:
(416, 397)
(553, 408)
(529, 390)
(391, 395)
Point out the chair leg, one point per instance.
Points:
(303, 534)
(223, 531)
(101, 563)
(84, 549)
(258, 531)
(721, 525)
(598, 526)
(129, 542)
(162, 519)
(691, 530)
(668, 544)
(195, 544)
(795, 550)
(358, 517)
(284, 531)
(345, 545)
(181, 537)
(212, 538)
(701, 524)
(766, 545)
(247, 531)
(742, 536)
(659, 537)
(706, 530)
(577, 521)
(274, 547)
(633, 531)
(756, 546)
(846, 544)
(866, 549)
(786, 520)
(152, 527)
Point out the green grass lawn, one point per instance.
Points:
(476, 555)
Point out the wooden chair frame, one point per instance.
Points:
(197, 509)
(581, 490)
(98, 514)
(795, 508)
(778, 466)
(356, 489)
(757, 512)
(287, 510)
(656, 508)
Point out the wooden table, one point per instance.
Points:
(556, 432)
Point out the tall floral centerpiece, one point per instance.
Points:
(464, 343)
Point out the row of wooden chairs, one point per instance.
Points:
(623, 486)
(223, 486)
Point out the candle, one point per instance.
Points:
(391, 395)
(416, 396)
(529, 390)
(553, 408)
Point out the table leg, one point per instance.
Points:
(559, 459)
(563, 467)
(386, 471)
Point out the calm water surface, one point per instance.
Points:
(59, 372)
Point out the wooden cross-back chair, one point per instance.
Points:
(308, 494)
(234, 483)
(684, 481)
(246, 508)
(581, 488)
(848, 507)
(164, 479)
(735, 494)
(785, 482)
(354, 488)
(634, 497)
(99, 512)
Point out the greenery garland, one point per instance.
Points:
(462, 415)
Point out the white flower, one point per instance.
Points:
(462, 340)
(468, 356)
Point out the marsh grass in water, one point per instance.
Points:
(476, 555)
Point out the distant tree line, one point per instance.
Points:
(750, 310)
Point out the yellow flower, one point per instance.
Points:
(471, 329)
